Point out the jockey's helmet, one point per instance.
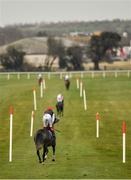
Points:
(40, 75)
(66, 77)
(50, 108)
(59, 95)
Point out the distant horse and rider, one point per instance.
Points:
(67, 82)
(46, 137)
(40, 79)
(60, 105)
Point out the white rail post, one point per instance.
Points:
(28, 76)
(104, 74)
(49, 75)
(81, 74)
(116, 75)
(77, 83)
(18, 76)
(97, 124)
(41, 89)
(84, 98)
(34, 95)
(11, 132)
(32, 123)
(44, 84)
(124, 141)
(70, 75)
(81, 87)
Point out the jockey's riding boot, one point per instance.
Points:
(53, 138)
(53, 134)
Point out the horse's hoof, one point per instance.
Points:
(45, 157)
(40, 161)
(53, 159)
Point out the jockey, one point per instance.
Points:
(66, 77)
(49, 120)
(60, 104)
(39, 76)
(40, 79)
(67, 82)
(60, 98)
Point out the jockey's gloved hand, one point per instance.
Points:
(52, 129)
(56, 120)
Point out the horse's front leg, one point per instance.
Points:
(44, 153)
(62, 113)
(53, 147)
(38, 154)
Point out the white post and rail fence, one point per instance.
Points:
(82, 74)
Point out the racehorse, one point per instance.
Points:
(40, 81)
(60, 108)
(67, 84)
(43, 139)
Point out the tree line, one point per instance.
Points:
(14, 32)
(70, 58)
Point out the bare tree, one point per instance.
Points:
(13, 59)
(55, 49)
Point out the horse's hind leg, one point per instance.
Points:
(45, 150)
(58, 112)
(38, 154)
(53, 147)
(62, 113)
(46, 153)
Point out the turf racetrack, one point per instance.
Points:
(79, 154)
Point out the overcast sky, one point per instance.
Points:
(30, 11)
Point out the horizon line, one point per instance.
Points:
(63, 21)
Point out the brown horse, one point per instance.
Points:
(67, 84)
(40, 81)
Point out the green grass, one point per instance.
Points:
(78, 153)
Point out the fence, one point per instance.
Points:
(71, 74)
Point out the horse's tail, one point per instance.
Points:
(39, 139)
